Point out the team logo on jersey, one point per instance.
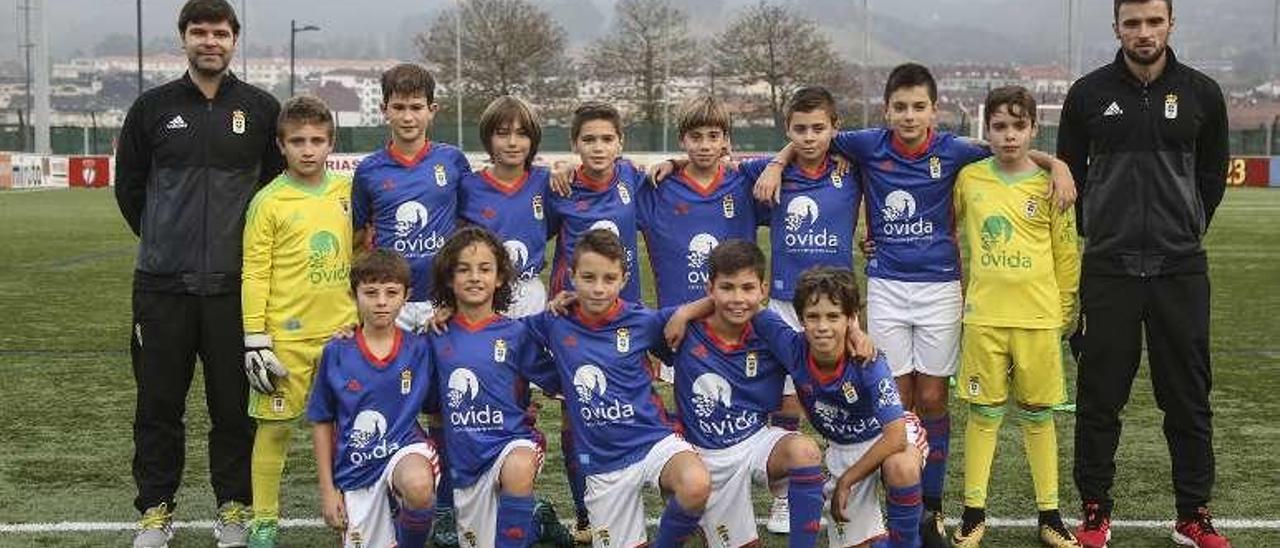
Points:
(801, 220)
(900, 221)
(801, 211)
(411, 221)
(889, 393)
(518, 253)
(752, 365)
(442, 178)
(935, 167)
(176, 123)
(461, 393)
(411, 216)
(727, 206)
(589, 382)
(537, 207)
(850, 393)
(368, 438)
(606, 225)
(974, 387)
(624, 194)
(324, 263)
(622, 340)
(406, 382)
(709, 391)
(836, 179)
(500, 351)
(700, 247)
(1031, 207)
(997, 232)
(346, 206)
(237, 122)
(463, 387)
(841, 422)
(1171, 106)
(899, 205)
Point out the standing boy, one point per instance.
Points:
(297, 259)
(364, 408)
(1024, 266)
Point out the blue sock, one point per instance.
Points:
(938, 432)
(413, 527)
(804, 497)
(577, 481)
(677, 525)
(903, 516)
(444, 491)
(515, 521)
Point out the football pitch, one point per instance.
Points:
(66, 398)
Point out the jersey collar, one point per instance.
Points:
(723, 345)
(824, 377)
(408, 161)
(602, 321)
(815, 174)
(505, 188)
(911, 154)
(595, 185)
(471, 327)
(375, 361)
(694, 186)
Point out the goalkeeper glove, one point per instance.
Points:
(261, 365)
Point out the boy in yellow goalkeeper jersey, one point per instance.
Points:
(1023, 270)
(297, 258)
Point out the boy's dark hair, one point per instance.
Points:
(409, 80)
(909, 75)
(1016, 100)
(809, 99)
(303, 109)
(207, 11)
(1116, 16)
(507, 110)
(446, 262)
(838, 284)
(380, 266)
(594, 111)
(603, 242)
(734, 256)
(702, 111)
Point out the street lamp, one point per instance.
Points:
(294, 29)
(457, 67)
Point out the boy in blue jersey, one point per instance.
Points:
(914, 302)
(854, 404)
(405, 196)
(602, 195)
(483, 366)
(364, 408)
(623, 440)
(509, 197)
(692, 210)
(727, 382)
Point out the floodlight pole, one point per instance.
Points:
(457, 68)
(294, 29)
(139, 47)
(866, 63)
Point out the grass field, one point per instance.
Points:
(67, 399)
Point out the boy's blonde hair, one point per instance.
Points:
(702, 111)
(303, 110)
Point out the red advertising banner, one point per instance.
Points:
(1249, 171)
(88, 171)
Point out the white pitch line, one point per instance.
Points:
(112, 526)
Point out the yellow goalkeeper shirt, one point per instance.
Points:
(1024, 256)
(297, 259)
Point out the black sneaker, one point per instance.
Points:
(933, 534)
(550, 530)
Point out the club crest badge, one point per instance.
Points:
(538, 212)
(624, 194)
(974, 387)
(935, 167)
(500, 351)
(836, 179)
(442, 178)
(1171, 106)
(277, 404)
(729, 208)
(238, 122)
(622, 340)
(1031, 208)
(406, 382)
(752, 365)
(850, 393)
(346, 206)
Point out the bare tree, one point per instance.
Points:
(646, 47)
(773, 44)
(508, 47)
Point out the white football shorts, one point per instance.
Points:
(863, 506)
(613, 499)
(528, 297)
(729, 520)
(369, 520)
(916, 324)
(414, 315)
(477, 505)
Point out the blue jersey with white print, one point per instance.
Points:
(373, 402)
(814, 223)
(608, 204)
(483, 371)
(411, 204)
(909, 201)
(615, 415)
(849, 405)
(517, 214)
(682, 222)
(725, 390)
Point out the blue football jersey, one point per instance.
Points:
(725, 390)
(682, 222)
(411, 204)
(608, 204)
(483, 371)
(517, 214)
(909, 201)
(374, 403)
(813, 225)
(614, 413)
(849, 405)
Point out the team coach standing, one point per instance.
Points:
(1146, 139)
(191, 154)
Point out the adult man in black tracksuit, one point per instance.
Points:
(1146, 139)
(191, 155)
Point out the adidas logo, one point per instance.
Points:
(177, 123)
(1113, 110)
